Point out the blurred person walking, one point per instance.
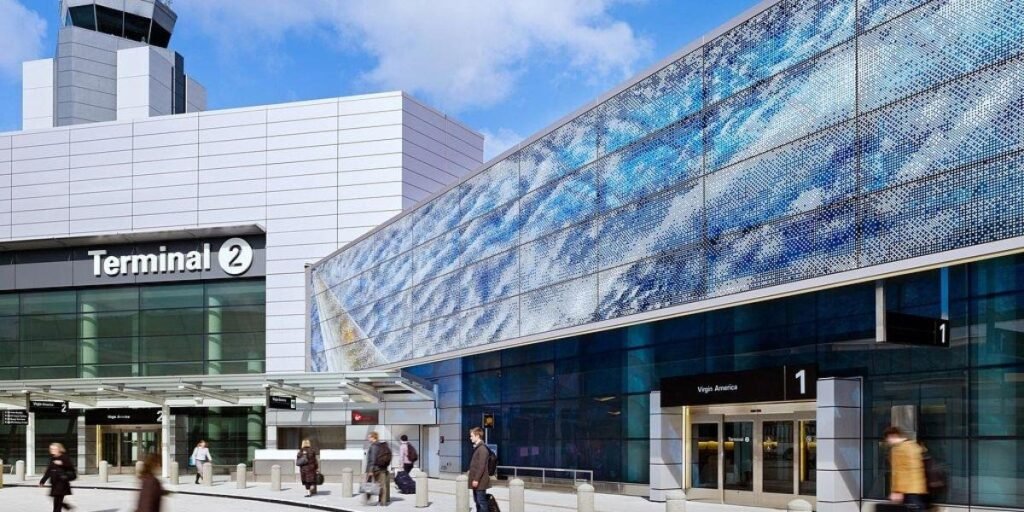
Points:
(309, 466)
(378, 463)
(152, 492)
(200, 456)
(60, 472)
(906, 457)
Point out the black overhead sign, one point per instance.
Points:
(766, 385)
(904, 329)
(48, 406)
(281, 402)
(14, 417)
(122, 416)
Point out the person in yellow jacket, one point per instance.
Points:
(906, 458)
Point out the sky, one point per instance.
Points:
(506, 68)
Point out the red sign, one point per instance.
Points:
(365, 417)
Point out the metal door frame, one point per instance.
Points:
(115, 466)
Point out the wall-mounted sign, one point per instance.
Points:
(281, 402)
(904, 329)
(14, 417)
(766, 385)
(49, 406)
(365, 417)
(123, 416)
(488, 420)
(235, 257)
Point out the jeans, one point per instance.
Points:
(480, 498)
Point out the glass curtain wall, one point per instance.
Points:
(583, 402)
(175, 329)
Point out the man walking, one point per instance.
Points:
(479, 476)
(906, 458)
(378, 461)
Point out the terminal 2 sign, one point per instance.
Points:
(235, 257)
(788, 383)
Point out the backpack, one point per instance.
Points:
(383, 458)
(411, 453)
(935, 474)
(492, 463)
(70, 474)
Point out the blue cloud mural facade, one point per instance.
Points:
(813, 138)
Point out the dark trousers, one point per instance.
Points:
(407, 467)
(916, 502)
(58, 504)
(480, 498)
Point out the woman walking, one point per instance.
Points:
(152, 492)
(308, 465)
(200, 456)
(59, 472)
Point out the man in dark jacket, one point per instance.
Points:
(479, 476)
(377, 473)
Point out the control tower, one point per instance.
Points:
(112, 63)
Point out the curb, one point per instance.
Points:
(310, 506)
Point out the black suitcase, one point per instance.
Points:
(492, 504)
(405, 483)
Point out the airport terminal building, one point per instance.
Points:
(731, 273)
(153, 253)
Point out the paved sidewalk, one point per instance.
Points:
(442, 496)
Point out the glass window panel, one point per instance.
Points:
(9, 353)
(165, 369)
(241, 367)
(998, 402)
(997, 476)
(172, 348)
(997, 335)
(83, 16)
(242, 345)
(777, 456)
(483, 388)
(111, 350)
(704, 456)
(49, 352)
(48, 327)
(136, 28)
(739, 455)
(36, 303)
(109, 325)
(637, 416)
(109, 21)
(116, 370)
(172, 321)
(49, 372)
(636, 461)
(9, 374)
(9, 328)
(173, 296)
(8, 304)
(236, 293)
(159, 36)
(237, 319)
(108, 299)
(525, 383)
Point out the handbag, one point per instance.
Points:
(492, 504)
(301, 461)
(192, 461)
(319, 478)
(370, 488)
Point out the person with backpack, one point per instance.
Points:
(481, 467)
(906, 458)
(60, 472)
(378, 463)
(408, 453)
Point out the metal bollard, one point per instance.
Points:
(19, 471)
(422, 492)
(799, 505)
(104, 471)
(174, 473)
(275, 477)
(207, 474)
(585, 498)
(675, 501)
(461, 493)
(516, 496)
(240, 471)
(346, 482)
(138, 467)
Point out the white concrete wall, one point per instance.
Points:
(37, 96)
(195, 95)
(316, 174)
(145, 83)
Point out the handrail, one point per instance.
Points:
(544, 471)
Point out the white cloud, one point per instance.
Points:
(22, 33)
(497, 141)
(458, 54)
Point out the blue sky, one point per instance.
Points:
(505, 68)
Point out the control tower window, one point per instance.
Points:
(110, 21)
(82, 16)
(160, 36)
(136, 28)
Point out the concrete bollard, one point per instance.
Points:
(516, 496)
(1, 473)
(675, 501)
(19, 471)
(346, 482)
(104, 471)
(461, 493)
(275, 477)
(799, 506)
(138, 467)
(174, 473)
(207, 474)
(422, 492)
(585, 498)
(240, 470)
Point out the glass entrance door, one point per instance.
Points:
(752, 460)
(124, 445)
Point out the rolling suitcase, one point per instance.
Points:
(405, 483)
(492, 504)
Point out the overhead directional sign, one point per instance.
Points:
(797, 382)
(281, 402)
(49, 406)
(14, 417)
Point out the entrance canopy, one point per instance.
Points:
(219, 390)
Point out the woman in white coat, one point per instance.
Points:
(200, 456)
